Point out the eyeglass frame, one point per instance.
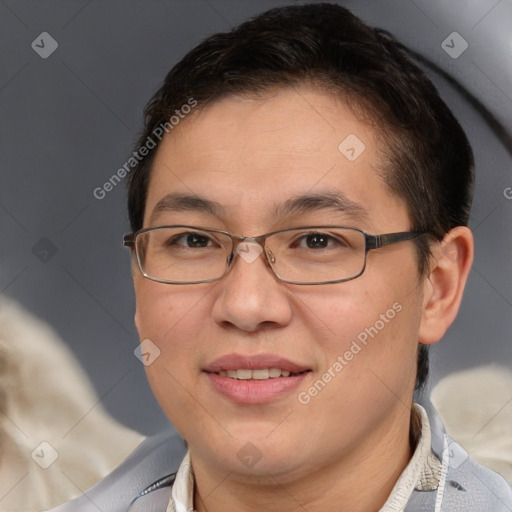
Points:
(370, 242)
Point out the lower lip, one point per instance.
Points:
(253, 391)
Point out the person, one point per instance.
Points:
(299, 203)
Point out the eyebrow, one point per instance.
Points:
(187, 202)
(336, 202)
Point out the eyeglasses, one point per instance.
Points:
(182, 254)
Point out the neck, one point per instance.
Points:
(360, 481)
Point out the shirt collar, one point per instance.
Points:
(422, 473)
(424, 469)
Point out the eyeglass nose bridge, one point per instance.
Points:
(250, 248)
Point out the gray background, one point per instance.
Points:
(68, 123)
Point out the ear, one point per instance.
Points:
(443, 288)
(136, 275)
(136, 319)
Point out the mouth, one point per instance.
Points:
(258, 374)
(255, 379)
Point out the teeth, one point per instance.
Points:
(243, 374)
(275, 372)
(262, 374)
(259, 374)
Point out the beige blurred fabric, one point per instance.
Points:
(45, 396)
(476, 408)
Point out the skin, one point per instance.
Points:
(345, 449)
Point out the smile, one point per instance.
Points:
(259, 374)
(254, 378)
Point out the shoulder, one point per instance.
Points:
(469, 486)
(148, 471)
(471, 405)
(464, 484)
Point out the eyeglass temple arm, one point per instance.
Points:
(376, 241)
(129, 240)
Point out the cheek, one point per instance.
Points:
(369, 370)
(169, 319)
(371, 337)
(164, 311)
(367, 336)
(173, 388)
(346, 312)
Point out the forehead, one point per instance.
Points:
(254, 157)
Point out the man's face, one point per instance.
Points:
(356, 341)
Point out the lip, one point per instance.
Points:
(256, 362)
(252, 391)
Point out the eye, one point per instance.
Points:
(319, 241)
(190, 240)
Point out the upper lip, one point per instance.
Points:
(254, 362)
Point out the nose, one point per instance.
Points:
(250, 296)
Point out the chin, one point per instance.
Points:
(251, 455)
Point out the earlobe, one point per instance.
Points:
(136, 320)
(450, 265)
(135, 276)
